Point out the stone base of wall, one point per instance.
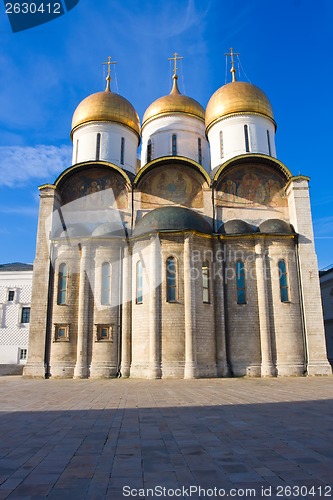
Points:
(11, 369)
(34, 370)
(62, 370)
(103, 370)
(323, 368)
(290, 370)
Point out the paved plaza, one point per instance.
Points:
(116, 439)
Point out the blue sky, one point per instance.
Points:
(285, 48)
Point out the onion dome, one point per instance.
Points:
(106, 107)
(173, 103)
(237, 97)
(172, 219)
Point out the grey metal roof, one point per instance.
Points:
(236, 226)
(16, 266)
(275, 226)
(172, 219)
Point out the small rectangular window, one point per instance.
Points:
(104, 333)
(11, 295)
(61, 333)
(23, 354)
(25, 315)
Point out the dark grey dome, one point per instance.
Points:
(109, 230)
(172, 219)
(236, 226)
(275, 226)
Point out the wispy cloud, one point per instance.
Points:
(28, 211)
(19, 164)
(323, 227)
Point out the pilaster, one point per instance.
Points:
(300, 218)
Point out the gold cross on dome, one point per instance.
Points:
(176, 57)
(232, 54)
(108, 63)
(108, 78)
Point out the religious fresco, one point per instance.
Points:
(171, 185)
(253, 186)
(95, 189)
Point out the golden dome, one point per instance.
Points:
(175, 102)
(237, 97)
(106, 106)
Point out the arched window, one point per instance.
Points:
(269, 143)
(205, 282)
(139, 283)
(284, 288)
(106, 284)
(122, 151)
(240, 282)
(149, 151)
(174, 145)
(171, 279)
(98, 146)
(247, 141)
(199, 151)
(62, 284)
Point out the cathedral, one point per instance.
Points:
(195, 260)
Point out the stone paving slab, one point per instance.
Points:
(116, 439)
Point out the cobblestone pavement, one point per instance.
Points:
(116, 439)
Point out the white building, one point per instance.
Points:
(15, 298)
(197, 261)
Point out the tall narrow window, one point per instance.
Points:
(77, 150)
(105, 284)
(62, 284)
(98, 146)
(199, 151)
(149, 151)
(122, 151)
(284, 289)
(247, 141)
(221, 145)
(205, 282)
(174, 145)
(11, 295)
(240, 282)
(139, 283)
(171, 278)
(269, 143)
